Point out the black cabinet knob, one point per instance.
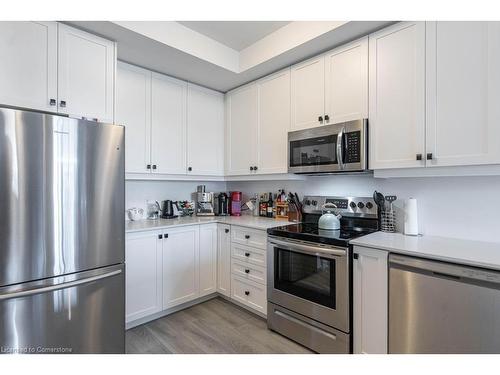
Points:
(429, 156)
(327, 118)
(247, 254)
(320, 118)
(62, 103)
(154, 166)
(247, 292)
(355, 256)
(251, 168)
(247, 271)
(226, 230)
(160, 236)
(247, 236)
(190, 169)
(52, 102)
(148, 166)
(255, 168)
(419, 156)
(165, 235)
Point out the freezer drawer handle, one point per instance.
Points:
(304, 324)
(52, 288)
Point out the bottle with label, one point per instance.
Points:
(262, 206)
(270, 205)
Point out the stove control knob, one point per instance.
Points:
(369, 205)
(361, 205)
(307, 202)
(353, 205)
(314, 203)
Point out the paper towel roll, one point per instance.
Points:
(411, 217)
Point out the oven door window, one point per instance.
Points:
(314, 151)
(306, 276)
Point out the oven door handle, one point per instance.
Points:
(340, 152)
(308, 248)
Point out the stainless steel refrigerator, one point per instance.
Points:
(62, 196)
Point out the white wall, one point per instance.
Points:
(459, 207)
(138, 192)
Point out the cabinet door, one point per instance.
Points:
(28, 65)
(273, 122)
(241, 116)
(133, 110)
(180, 265)
(346, 82)
(86, 75)
(397, 96)
(370, 301)
(143, 260)
(308, 93)
(168, 125)
(208, 259)
(463, 93)
(205, 131)
(224, 259)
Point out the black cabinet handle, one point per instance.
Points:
(226, 230)
(247, 236)
(255, 168)
(62, 103)
(165, 235)
(160, 236)
(251, 168)
(190, 169)
(247, 271)
(320, 118)
(419, 156)
(247, 254)
(355, 256)
(327, 118)
(154, 166)
(429, 156)
(247, 292)
(148, 166)
(52, 102)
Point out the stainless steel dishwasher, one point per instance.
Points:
(438, 307)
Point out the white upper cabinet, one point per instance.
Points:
(273, 122)
(241, 118)
(86, 69)
(168, 125)
(397, 96)
(308, 93)
(346, 82)
(28, 65)
(208, 259)
(463, 93)
(205, 131)
(133, 110)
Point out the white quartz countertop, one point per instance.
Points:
(473, 253)
(248, 221)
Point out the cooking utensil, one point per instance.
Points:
(379, 199)
(390, 199)
(299, 204)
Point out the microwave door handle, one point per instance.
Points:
(340, 153)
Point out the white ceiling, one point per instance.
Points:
(235, 34)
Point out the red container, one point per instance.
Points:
(236, 203)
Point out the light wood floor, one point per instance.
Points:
(215, 326)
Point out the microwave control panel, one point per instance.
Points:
(353, 147)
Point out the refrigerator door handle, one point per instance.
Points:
(52, 288)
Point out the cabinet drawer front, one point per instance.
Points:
(249, 271)
(247, 254)
(251, 237)
(249, 293)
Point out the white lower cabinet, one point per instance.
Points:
(249, 293)
(143, 252)
(208, 259)
(180, 265)
(370, 300)
(224, 259)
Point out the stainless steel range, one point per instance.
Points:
(310, 274)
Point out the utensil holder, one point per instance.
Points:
(388, 221)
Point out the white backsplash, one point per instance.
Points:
(459, 207)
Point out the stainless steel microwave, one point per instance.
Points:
(335, 148)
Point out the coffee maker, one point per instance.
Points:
(204, 202)
(221, 204)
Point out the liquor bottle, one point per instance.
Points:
(262, 207)
(270, 205)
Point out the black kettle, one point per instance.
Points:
(167, 209)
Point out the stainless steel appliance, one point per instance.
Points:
(438, 307)
(204, 202)
(309, 274)
(335, 148)
(62, 194)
